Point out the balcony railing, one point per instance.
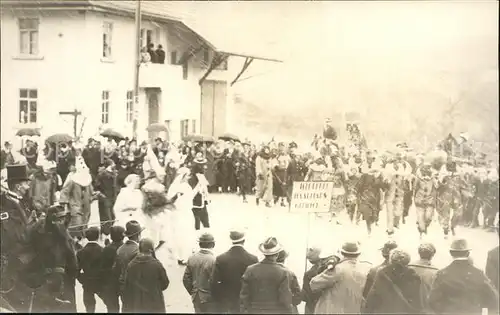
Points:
(154, 75)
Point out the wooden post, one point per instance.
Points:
(137, 65)
(308, 230)
(75, 113)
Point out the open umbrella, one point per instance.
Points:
(115, 135)
(198, 138)
(157, 127)
(59, 138)
(28, 132)
(229, 136)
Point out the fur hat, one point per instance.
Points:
(399, 257)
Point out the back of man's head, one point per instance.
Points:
(92, 234)
(146, 246)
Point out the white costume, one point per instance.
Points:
(129, 203)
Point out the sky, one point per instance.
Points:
(346, 52)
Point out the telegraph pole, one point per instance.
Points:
(137, 64)
(75, 113)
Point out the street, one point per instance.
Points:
(227, 211)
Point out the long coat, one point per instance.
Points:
(396, 289)
(198, 275)
(342, 287)
(145, 281)
(226, 279)
(491, 269)
(427, 272)
(264, 179)
(43, 191)
(369, 194)
(79, 199)
(265, 289)
(461, 288)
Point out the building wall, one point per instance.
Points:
(70, 73)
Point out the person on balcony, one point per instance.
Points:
(160, 53)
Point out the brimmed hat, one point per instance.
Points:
(293, 145)
(388, 246)
(17, 173)
(206, 238)
(237, 236)
(200, 160)
(132, 228)
(350, 248)
(270, 246)
(459, 245)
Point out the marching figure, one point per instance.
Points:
(369, 188)
(199, 184)
(78, 194)
(264, 180)
(396, 175)
(107, 186)
(243, 171)
(448, 198)
(43, 185)
(279, 175)
(129, 202)
(425, 197)
(295, 170)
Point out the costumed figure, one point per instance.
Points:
(316, 169)
(410, 180)
(467, 173)
(353, 176)
(219, 166)
(43, 185)
(490, 209)
(264, 177)
(129, 202)
(369, 189)
(449, 198)
(200, 197)
(295, 170)
(155, 197)
(425, 193)
(279, 175)
(108, 189)
(78, 194)
(243, 171)
(396, 175)
(230, 184)
(335, 173)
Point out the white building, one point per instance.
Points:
(61, 56)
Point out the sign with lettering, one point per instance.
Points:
(311, 197)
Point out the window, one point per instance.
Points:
(167, 123)
(193, 126)
(107, 35)
(184, 127)
(105, 107)
(150, 36)
(185, 70)
(28, 36)
(130, 106)
(206, 57)
(28, 105)
(173, 57)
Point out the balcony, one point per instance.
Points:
(154, 75)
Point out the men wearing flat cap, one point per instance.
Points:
(265, 287)
(385, 251)
(198, 275)
(229, 268)
(461, 288)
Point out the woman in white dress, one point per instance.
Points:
(130, 201)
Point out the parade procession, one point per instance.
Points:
(361, 177)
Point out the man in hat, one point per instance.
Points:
(295, 170)
(6, 157)
(127, 251)
(145, 282)
(424, 267)
(110, 280)
(264, 177)
(328, 130)
(461, 288)
(242, 166)
(449, 204)
(341, 286)
(319, 263)
(198, 274)
(385, 251)
(265, 285)
(228, 270)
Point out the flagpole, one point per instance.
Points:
(137, 64)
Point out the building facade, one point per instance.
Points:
(60, 58)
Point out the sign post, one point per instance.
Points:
(308, 198)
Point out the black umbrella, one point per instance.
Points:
(110, 133)
(28, 132)
(228, 137)
(198, 138)
(157, 127)
(59, 138)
